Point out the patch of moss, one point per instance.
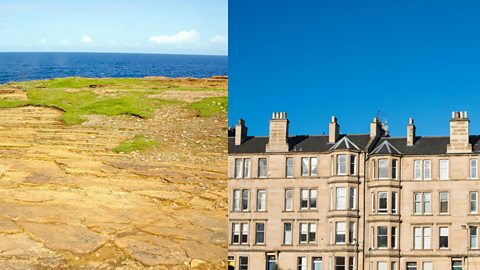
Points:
(138, 143)
(210, 106)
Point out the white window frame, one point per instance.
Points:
(427, 237)
(262, 201)
(383, 168)
(394, 202)
(444, 169)
(339, 164)
(473, 239)
(353, 162)
(427, 169)
(338, 232)
(473, 169)
(424, 203)
(238, 170)
(266, 168)
(417, 169)
(292, 167)
(244, 231)
(303, 230)
(257, 231)
(237, 200)
(417, 203)
(440, 202)
(385, 236)
(444, 229)
(341, 200)
(417, 238)
(288, 199)
(382, 210)
(473, 202)
(287, 235)
(353, 198)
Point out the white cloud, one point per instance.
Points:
(86, 39)
(219, 39)
(65, 42)
(182, 37)
(43, 40)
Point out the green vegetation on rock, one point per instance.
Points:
(210, 106)
(79, 97)
(138, 143)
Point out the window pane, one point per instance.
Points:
(238, 168)
(443, 202)
(246, 168)
(417, 203)
(289, 167)
(339, 263)
(382, 236)
(352, 164)
(287, 233)
(473, 169)
(382, 202)
(244, 236)
(353, 192)
(304, 198)
(411, 266)
(288, 200)
(340, 232)
(427, 204)
(262, 167)
(261, 200)
(393, 240)
(443, 237)
(341, 164)
(383, 168)
(394, 169)
(313, 166)
(317, 263)
(341, 198)
(426, 238)
(243, 262)
(312, 232)
(427, 169)
(473, 202)
(473, 237)
(305, 168)
(260, 233)
(394, 202)
(236, 199)
(427, 266)
(443, 169)
(382, 266)
(417, 169)
(313, 198)
(245, 195)
(417, 238)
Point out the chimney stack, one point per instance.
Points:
(376, 129)
(240, 132)
(459, 133)
(278, 138)
(410, 132)
(333, 130)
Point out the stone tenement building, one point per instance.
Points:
(343, 202)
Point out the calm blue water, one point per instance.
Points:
(35, 66)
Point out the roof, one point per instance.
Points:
(301, 143)
(384, 146)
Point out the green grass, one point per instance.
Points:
(124, 96)
(138, 143)
(210, 106)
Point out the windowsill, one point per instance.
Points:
(444, 249)
(307, 244)
(444, 214)
(239, 211)
(288, 211)
(260, 244)
(260, 211)
(308, 210)
(422, 215)
(286, 245)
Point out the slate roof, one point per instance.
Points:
(386, 145)
(301, 143)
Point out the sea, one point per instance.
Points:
(23, 66)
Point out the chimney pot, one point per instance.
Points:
(333, 131)
(411, 132)
(240, 132)
(459, 133)
(278, 137)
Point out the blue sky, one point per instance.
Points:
(351, 59)
(155, 26)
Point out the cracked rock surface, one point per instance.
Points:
(68, 201)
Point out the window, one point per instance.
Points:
(473, 169)
(341, 198)
(411, 266)
(244, 235)
(353, 192)
(243, 262)
(312, 232)
(417, 174)
(309, 166)
(271, 262)
(444, 169)
(394, 202)
(351, 232)
(236, 233)
(238, 168)
(382, 266)
(261, 200)
(427, 170)
(443, 237)
(245, 196)
(303, 233)
(262, 168)
(288, 200)
(237, 195)
(317, 263)
(351, 263)
(373, 169)
(246, 168)
(287, 233)
(340, 233)
(394, 168)
(353, 165)
(427, 236)
(393, 240)
(394, 266)
(308, 198)
(289, 167)
(456, 265)
(372, 237)
(260, 233)
(339, 263)
(302, 263)
(372, 200)
(427, 203)
(313, 166)
(473, 202)
(443, 202)
(417, 238)
(427, 266)
(382, 237)
(382, 202)
(383, 168)
(231, 263)
(417, 203)
(341, 164)
(473, 237)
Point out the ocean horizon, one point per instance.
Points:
(24, 66)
